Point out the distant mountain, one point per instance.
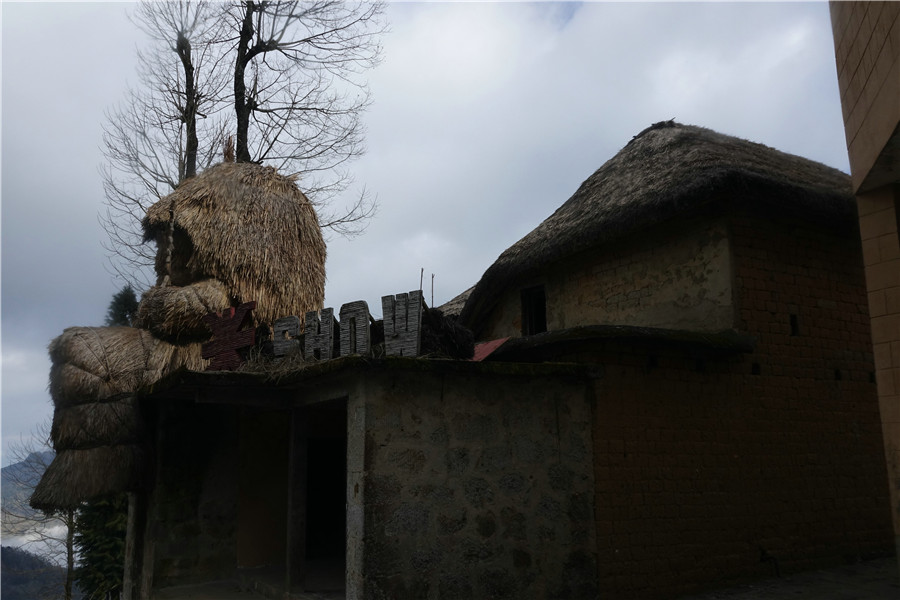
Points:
(27, 576)
(18, 480)
(28, 471)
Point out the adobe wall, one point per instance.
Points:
(711, 470)
(475, 484)
(671, 277)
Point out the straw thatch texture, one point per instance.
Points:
(175, 313)
(96, 424)
(94, 363)
(454, 306)
(252, 229)
(78, 475)
(235, 233)
(668, 170)
(443, 337)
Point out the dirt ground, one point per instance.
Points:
(870, 580)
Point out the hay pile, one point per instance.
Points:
(444, 337)
(96, 429)
(252, 229)
(235, 233)
(92, 364)
(175, 314)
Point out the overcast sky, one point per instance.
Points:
(486, 117)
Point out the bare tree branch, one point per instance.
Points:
(284, 77)
(42, 533)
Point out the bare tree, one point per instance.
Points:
(165, 130)
(295, 102)
(50, 535)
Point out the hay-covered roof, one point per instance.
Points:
(252, 229)
(454, 306)
(665, 171)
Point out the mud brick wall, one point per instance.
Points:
(678, 278)
(712, 470)
(476, 485)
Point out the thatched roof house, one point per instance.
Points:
(668, 170)
(280, 258)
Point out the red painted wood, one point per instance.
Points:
(228, 337)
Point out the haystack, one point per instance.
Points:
(280, 260)
(233, 234)
(91, 364)
(175, 313)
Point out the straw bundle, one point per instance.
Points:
(175, 314)
(96, 424)
(94, 363)
(252, 229)
(78, 475)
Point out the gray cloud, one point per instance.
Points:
(486, 118)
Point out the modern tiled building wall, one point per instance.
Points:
(867, 44)
(867, 53)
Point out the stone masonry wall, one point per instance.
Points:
(677, 278)
(477, 485)
(193, 522)
(713, 470)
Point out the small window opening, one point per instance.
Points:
(838, 376)
(700, 365)
(755, 369)
(352, 335)
(795, 326)
(652, 362)
(534, 310)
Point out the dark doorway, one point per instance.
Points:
(326, 497)
(262, 490)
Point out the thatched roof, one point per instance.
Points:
(91, 364)
(454, 306)
(668, 170)
(252, 229)
(78, 475)
(96, 425)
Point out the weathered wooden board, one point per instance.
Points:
(228, 337)
(403, 323)
(320, 335)
(285, 335)
(355, 334)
